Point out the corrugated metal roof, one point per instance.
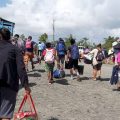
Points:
(1, 19)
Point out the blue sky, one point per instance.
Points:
(94, 19)
(4, 2)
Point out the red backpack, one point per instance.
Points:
(28, 44)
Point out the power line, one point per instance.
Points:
(53, 30)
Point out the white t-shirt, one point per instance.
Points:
(94, 52)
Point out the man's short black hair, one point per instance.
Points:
(99, 45)
(48, 45)
(30, 37)
(16, 35)
(72, 41)
(60, 39)
(5, 34)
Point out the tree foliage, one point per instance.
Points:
(67, 40)
(22, 36)
(43, 38)
(85, 42)
(108, 42)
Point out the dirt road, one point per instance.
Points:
(72, 100)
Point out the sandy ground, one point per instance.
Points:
(72, 100)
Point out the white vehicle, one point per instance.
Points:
(81, 49)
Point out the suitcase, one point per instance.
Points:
(81, 69)
(67, 65)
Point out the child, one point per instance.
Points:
(49, 57)
(115, 78)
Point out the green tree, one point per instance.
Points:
(108, 42)
(84, 42)
(67, 40)
(43, 38)
(22, 36)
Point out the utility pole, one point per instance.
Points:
(53, 30)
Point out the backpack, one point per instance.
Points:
(74, 52)
(49, 57)
(100, 56)
(59, 73)
(21, 45)
(61, 48)
(28, 44)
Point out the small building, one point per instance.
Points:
(7, 24)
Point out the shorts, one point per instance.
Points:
(98, 66)
(7, 102)
(73, 63)
(49, 67)
(61, 59)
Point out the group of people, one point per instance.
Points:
(60, 54)
(16, 53)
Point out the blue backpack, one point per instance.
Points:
(59, 73)
(74, 52)
(61, 48)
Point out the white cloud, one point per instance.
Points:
(95, 19)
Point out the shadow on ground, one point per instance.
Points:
(34, 74)
(115, 89)
(62, 82)
(53, 118)
(41, 70)
(67, 75)
(37, 70)
(30, 85)
(104, 79)
(84, 78)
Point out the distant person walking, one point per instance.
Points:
(29, 45)
(73, 58)
(61, 52)
(41, 48)
(19, 43)
(11, 70)
(98, 57)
